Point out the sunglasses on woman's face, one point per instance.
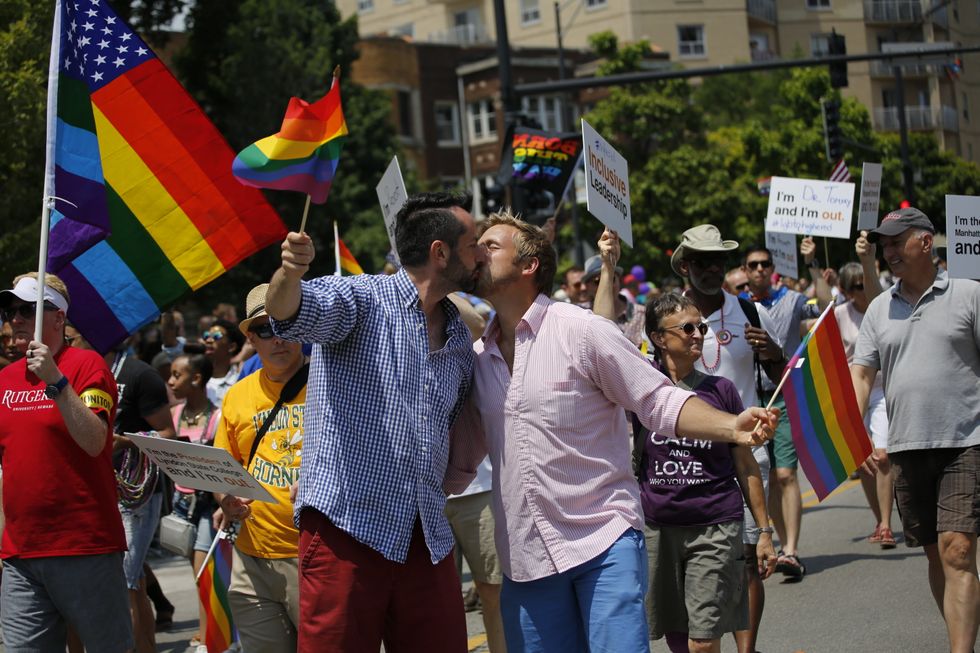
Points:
(212, 335)
(689, 327)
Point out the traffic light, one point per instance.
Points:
(831, 130)
(492, 197)
(838, 69)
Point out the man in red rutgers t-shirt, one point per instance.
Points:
(63, 541)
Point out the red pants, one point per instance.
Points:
(351, 598)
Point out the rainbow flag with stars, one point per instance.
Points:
(146, 208)
(830, 437)
(304, 154)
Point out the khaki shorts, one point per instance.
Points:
(264, 599)
(936, 490)
(705, 565)
(472, 522)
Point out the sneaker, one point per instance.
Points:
(791, 567)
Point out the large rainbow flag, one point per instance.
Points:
(828, 431)
(147, 208)
(212, 588)
(304, 154)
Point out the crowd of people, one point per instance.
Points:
(609, 456)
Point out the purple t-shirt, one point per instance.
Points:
(686, 482)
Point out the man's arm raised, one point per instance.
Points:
(282, 300)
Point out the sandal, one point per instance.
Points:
(887, 539)
(791, 566)
(875, 538)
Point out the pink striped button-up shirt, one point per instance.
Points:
(555, 429)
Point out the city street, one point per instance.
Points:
(855, 597)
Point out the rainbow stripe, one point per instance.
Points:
(830, 437)
(347, 260)
(304, 155)
(133, 151)
(212, 588)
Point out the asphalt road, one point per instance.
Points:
(855, 596)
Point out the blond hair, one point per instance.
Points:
(531, 242)
(52, 281)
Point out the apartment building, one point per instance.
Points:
(696, 33)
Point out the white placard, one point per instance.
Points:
(810, 207)
(870, 196)
(783, 249)
(392, 195)
(963, 236)
(607, 184)
(201, 467)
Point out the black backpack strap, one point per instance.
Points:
(289, 391)
(752, 315)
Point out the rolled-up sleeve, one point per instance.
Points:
(328, 312)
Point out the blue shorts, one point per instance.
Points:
(140, 525)
(596, 606)
(42, 596)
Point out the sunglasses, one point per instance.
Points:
(263, 331)
(212, 335)
(755, 265)
(857, 286)
(25, 311)
(742, 286)
(707, 261)
(689, 327)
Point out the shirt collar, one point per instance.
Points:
(406, 289)
(533, 317)
(941, 282)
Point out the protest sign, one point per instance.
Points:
(810, 207)
(392, 195)
(870, 196)
(963, 236)
(783, 250)
(201, 467)
(607, 184)
(537, 159)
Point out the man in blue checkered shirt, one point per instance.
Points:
(391, 366)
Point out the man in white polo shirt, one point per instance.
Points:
(924, 336)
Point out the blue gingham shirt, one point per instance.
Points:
(379, 406)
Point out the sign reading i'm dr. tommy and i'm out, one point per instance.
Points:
(607, 184)
(810, 207)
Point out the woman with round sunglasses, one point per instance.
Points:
(222, 341)
(859, 283)
(196, 419)
(692, 493)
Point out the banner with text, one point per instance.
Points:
(392, 195)
(870, 196)
(783, 249)
(810, 207)
(541, 160)
(607, 184)
(201, 467)
(963, 236)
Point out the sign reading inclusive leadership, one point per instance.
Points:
(607, 184)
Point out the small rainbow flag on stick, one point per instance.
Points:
(212, 587)
(345, 260)
(304, 154)
(830, 437)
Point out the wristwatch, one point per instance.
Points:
(52, 391)
(766, 529)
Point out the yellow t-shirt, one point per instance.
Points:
(269, 531)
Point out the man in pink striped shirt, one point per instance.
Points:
(550, 384)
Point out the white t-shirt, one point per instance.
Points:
(482, 483)
(736, 362)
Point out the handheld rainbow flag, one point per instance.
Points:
(304, 154)
(145, 210)
(828, 431)
(212, 588)
(347, 260)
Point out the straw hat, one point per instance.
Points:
(254, 306)
(702, 238)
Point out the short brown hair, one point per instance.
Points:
(531, 242)
(50, 280)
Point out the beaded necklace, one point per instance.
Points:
(136, 474)
(722, 337)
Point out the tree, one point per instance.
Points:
(242, 62)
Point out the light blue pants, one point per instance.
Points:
(596, 607)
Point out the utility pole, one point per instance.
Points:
(578, 255)
(907, 178)
(508, 98)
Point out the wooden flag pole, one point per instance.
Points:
(826, 253)
(306, 211)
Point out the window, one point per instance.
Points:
(365, 6)
(482, 121)
(447, 123)
(408, 29)
(545, 110)
(819, 45)
(404, 113)
(530, 12)
(690, 41)
(818, 5)
(594, 4)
